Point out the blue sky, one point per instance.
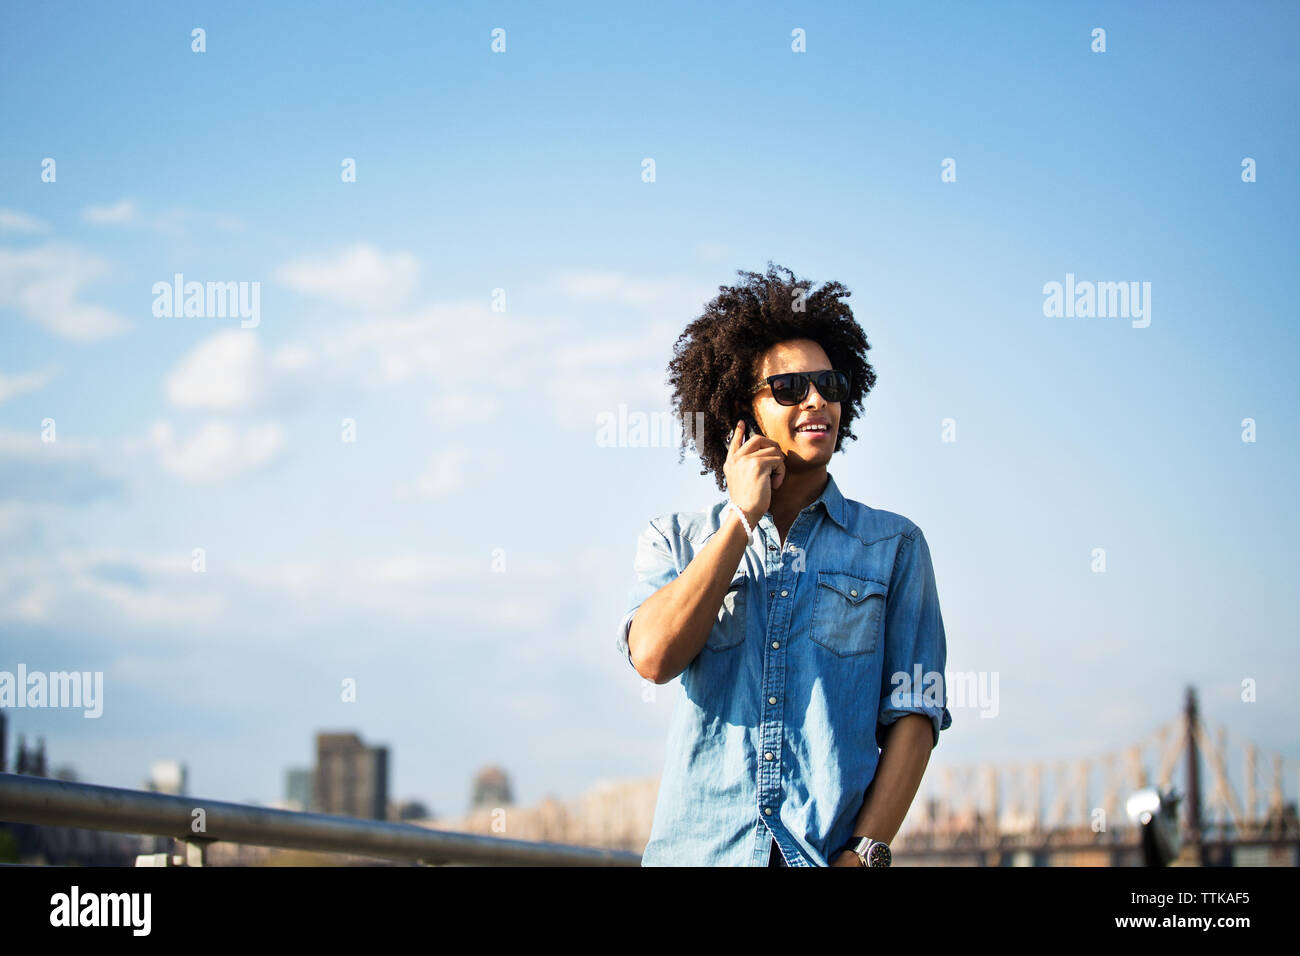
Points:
(475, 428)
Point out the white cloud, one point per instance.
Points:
(120, 212)
(612, 287)
(11, 220)
(605, 373)
(146, 589)
(175, 221)
(324, 581)
(136, 587)
(26, 443)
(449, 343)
(217, 450)
(470, 359)
(577, 403)
(408, 569)
(390, 588)
(360, 276)
(62, 472)
(710, 251)
(603, 353)
(444, 475)
(518, 610)
(224, 371)
(14, 385)
(461, 407)
(44, 284)
(297, 579)
(27, 599)
(293, 358)
(231, 370)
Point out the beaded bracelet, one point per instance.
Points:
(732, 506)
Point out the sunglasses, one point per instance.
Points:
(791, 388)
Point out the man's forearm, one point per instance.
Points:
(903, 758)
(671, 627)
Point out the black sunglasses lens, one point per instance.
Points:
(792, 388)
(789, 389)
(834, 386)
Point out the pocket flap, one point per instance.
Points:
(854, 589)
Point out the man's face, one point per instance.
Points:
(785, 424)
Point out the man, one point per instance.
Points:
(805, 626)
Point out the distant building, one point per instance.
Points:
(350, 778)
(297, 788)
(615, 814)
(404, 810)
(168, 776)
(31, 761)
(491, 789)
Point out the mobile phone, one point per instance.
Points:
(751, 429)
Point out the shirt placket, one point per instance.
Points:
(780, 579)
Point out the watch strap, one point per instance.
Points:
(855, 842)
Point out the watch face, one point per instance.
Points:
(879, 855)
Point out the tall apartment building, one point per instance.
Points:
(297, 791)
(350, 779)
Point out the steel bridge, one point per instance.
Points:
(1072, 812)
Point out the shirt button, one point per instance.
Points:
(768, 755)
(853, 593)
(784, 593)
(771, 700)
(771, 547)
(776, 643)
(768, 811)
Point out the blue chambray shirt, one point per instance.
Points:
(773, 735)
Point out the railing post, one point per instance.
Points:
(193, 851)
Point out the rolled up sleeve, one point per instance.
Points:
(916, 652)
(655, 566)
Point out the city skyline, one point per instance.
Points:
(369, 487)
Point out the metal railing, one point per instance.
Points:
(195, 824)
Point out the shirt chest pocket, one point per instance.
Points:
(848, 611)
(729, 629)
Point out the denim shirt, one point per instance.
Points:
(816, 648)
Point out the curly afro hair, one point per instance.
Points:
(716, 359)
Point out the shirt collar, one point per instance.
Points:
(833, 502)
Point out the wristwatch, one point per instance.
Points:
(869, 852)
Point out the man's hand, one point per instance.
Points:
(846, 858)
(755, 467)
